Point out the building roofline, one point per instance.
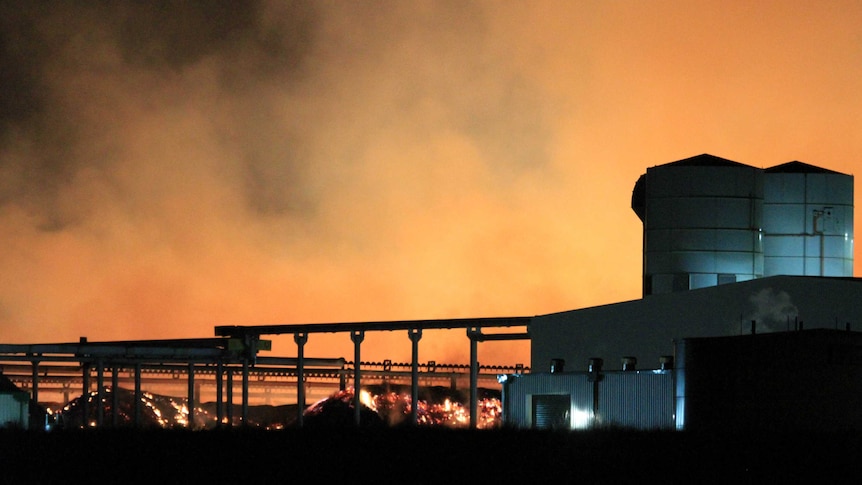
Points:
(705, 160)
(799, 167)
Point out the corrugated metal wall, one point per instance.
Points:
(13, 409)
(518, 392)
(639, 399)
(636, 399)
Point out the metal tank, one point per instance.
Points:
(807, 221)
(702, 223)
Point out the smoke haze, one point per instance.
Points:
(166, 167)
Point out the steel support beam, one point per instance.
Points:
(229, 397)
(35, 383)
(219, 393)
(300, 338)
(85, 394)
(451, 323)
(191, 402)
(357, 336)
(138, 395)
(415, 335)
(474, 333)
(100, 393)
(115, 397)
(245, 392)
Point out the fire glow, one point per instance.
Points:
(396, 408)
(392, 408)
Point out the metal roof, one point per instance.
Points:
(798, 167)
(705, 160)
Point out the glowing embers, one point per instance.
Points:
(394, 408)
(380, 406)
(366, 399)
(155, 411)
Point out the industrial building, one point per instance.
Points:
(799, 380)
(646, 328)
(749, 317)
(730, 251)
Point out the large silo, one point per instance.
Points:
(702, 223)
(807, 221)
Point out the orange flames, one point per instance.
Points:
(395, 408)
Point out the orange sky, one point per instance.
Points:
(164, 172)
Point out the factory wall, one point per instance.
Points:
(526, 395)
(801, 380)
(581, 400)
(647, 328)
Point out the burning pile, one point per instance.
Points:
(156, 411)
(393, 407)
(380, 406)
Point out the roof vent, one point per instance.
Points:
(557, 365)
(665, 362)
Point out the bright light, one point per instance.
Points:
(366, 399)
(581, 419)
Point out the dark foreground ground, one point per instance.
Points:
(426, 455)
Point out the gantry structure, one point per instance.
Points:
(475, 329)
(235, 350)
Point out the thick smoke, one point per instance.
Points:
(97, 91)
(170, 166)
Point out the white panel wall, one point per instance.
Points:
(808, 224)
